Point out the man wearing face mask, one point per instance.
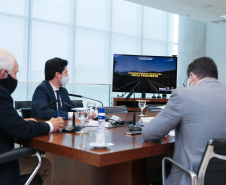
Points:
(196, 113)
(12, 125)
(56, 76)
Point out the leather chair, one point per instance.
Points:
(78, 103)
(19, 153)
(24, 107)
(116, 109)
(212, 169)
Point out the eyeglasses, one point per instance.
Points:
(185, 82)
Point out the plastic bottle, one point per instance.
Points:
(101, 121)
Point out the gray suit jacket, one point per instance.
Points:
(197, 114)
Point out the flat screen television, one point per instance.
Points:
(144, 74)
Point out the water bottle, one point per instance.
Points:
(101, 121)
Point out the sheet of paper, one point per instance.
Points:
(95, 124)
(144, 120)
(172, 133)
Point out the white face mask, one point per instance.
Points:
(189, 81)
(64, 80)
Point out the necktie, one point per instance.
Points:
(58, 102)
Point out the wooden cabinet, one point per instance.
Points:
(129, 103)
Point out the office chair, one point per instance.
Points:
(115, 109)
(19, 153)
(24, 107)
(78, 103)
(212, 169)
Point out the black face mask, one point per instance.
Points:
(9, 83)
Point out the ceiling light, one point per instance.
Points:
(219, 22)
(224, 16)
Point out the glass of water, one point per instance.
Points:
(82, 115)
(142, 105)
(92, 107)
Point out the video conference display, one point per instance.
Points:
(144, 74)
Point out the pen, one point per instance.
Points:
(58, 114)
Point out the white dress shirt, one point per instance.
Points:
(70, 114)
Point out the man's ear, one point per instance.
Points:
(57, 74)
(3, 74)
(193, 76)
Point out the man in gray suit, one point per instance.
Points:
(197, 113)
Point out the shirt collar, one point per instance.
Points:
(202, 80)
(54, 88)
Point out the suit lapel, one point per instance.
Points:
(51, 92)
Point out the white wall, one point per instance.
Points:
(216, 48)
(191, 45)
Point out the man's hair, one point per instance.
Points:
(203, 67)
(54, 65)
(6, 60)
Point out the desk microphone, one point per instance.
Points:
(79, 96)
(130, 94)
(54, 101)
(69, 128)
(133, 127)
(73, 127)
(48, 105)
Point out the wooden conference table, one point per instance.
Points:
(129, 161)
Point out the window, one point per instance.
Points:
(86, 33)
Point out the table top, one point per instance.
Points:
(126, 148)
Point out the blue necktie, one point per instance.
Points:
(58, 102)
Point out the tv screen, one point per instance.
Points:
(144, 74)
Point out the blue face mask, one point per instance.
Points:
(64, 80)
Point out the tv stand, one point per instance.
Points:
(143, 95)
(129, 103)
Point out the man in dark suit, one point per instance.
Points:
(56, 76)
(11, 124)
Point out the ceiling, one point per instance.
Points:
(203, 10)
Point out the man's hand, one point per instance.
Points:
(30, 119)
(58, 123)
(93, 115)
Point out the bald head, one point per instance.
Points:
(7, 63)
(6, 60)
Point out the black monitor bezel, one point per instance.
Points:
(167, 92)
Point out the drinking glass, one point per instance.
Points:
(142, 105)
(82, 115)
(92, 107)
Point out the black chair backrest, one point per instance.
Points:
(155, 107)
(24, 107)
(212, 168)
(78, 103)
(116, 109)
(22, 104)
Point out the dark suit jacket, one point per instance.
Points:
(12, 125)
(43, 95)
